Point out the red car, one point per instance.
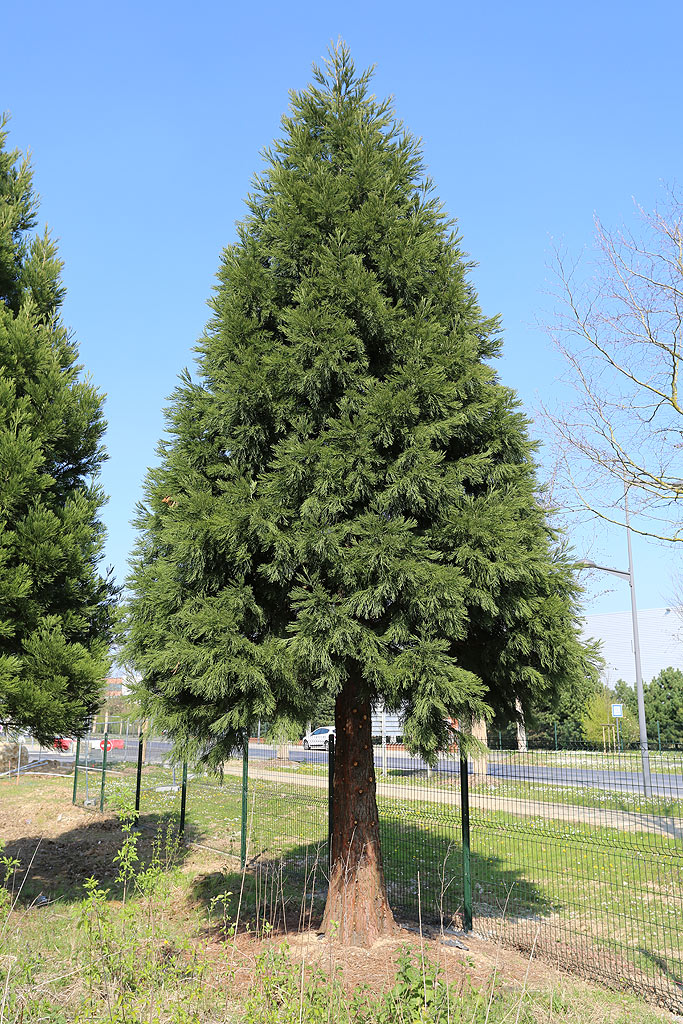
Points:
(62, 745)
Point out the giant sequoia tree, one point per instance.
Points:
(345, 502)
(55, 607)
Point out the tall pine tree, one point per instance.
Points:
(55, 607)
(346, 502)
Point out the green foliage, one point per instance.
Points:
(626, 695)
(55, 608)
(418, 994)
(283, 730)
(148, 960)
(125, 955)
(541, 730)
(348, 491)
(556, 716)
(8, 870)
(663, 704)
(283, 993)
(278, 995)
(599, 713)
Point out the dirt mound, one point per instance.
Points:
(9, 756)
(53, 767)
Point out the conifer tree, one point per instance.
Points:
(346, 501)
(55, 608)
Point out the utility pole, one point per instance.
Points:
(642, 724)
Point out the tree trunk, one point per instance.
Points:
(357, 911)
(479, 761)
(521, 727)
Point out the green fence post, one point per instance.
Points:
(659, 738)
(466, 869)
(138, 781)
(78, 750)
(245, 792)
(183, 798)
(104, 770)
(330, 799)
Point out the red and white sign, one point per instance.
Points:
(109, 745)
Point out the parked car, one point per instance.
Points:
(318, 738)
(62, 745)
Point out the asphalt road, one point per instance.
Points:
(668, 786)
(663, 786)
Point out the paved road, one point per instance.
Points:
(663, 785)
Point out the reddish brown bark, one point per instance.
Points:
(357, 911)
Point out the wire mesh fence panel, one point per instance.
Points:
(594, 863)
(214, 808)
(160, 781)
(287, 813)
(160, 791)
(87, 757)
(159, 795)
(271, 819)
(420, 831)
(569, 857)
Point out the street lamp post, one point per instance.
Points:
(642, 725)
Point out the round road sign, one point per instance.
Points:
(108, 745)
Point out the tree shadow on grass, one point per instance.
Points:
(279, 893)
(284, 890)
(55, 867)
(668, 967)
(423, 867)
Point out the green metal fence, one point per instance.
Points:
(559, 853)
(568, 858)
(133, 771)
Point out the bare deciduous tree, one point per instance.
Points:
(621, 333)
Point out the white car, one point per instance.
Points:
(318, 738)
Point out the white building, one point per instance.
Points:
(386, 724)
(661, 642)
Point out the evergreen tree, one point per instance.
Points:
(664, 705)
(55, 609)
(346, 502)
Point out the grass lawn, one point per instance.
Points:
(569, 793)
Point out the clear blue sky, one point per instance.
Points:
(146, 119)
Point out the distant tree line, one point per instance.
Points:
(581, 724)
(663, 706)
